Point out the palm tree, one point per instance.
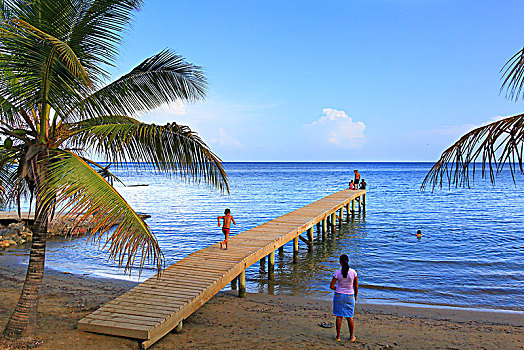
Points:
(497, 144)
(56, 110)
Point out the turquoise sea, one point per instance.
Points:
(471, 253)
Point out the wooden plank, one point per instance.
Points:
(114, 328)
(145, 297)
(176, 289)
(214, 264)
(213, 268)
(125, 318)
(120, 330)
(181, 270)
(197, 269)
(191, 277)
(201, 266)
(166, 292)
(181, 284)
(141, 308)
(228, 255)
(209, 262)
(149, 303)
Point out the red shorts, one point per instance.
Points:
(225, 230)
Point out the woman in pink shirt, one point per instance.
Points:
(346, 291)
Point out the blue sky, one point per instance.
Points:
(390, 80)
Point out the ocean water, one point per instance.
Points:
(471, 253)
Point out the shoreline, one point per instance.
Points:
(16, 262)
(260, 321)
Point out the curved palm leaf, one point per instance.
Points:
(81, 193)
(513, 75)
(163, 78)
(499, 143)
(95, 31)
(8, 175)
(81, 36)
(64, 51)
(167, 148)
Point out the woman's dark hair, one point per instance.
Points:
(227, 211)
(344, 260)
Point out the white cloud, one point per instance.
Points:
(225, 140)
(339, 129)
(457, 130)
(177, 108)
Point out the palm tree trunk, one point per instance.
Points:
(22, 324)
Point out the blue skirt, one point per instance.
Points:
(343, 305)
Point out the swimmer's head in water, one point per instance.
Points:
(419, 232)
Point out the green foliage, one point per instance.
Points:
(57, 108)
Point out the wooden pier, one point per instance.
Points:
(159, 305)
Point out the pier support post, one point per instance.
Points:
(271, 288)
(310, 238)
(324, 228)
(242, 284)
(263, 263)
(364, 201)
(347, 212)
(359, 203)
(234, 283)
(341, 216)
(318, 226)
(178, 328)
(333, 221)
(281, 250)
(295, 250)
(352, 207)
(271, 266)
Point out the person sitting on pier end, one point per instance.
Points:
(227, 218)
(346, 291)
(363, 185)
(351, 185)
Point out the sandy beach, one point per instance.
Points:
(260, 321)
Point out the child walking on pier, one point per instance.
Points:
(227, 219)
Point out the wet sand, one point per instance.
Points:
(260, 321)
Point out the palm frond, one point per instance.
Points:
(82, 194)
(14, 187)
(58, 49)
(10, 114)
(168, 148)
(96, 32)
(513, 76)
(498, 144)
(161, 79)
(91, 28)
(64, 51)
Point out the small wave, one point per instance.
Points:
(399, 289)
(465, 262)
